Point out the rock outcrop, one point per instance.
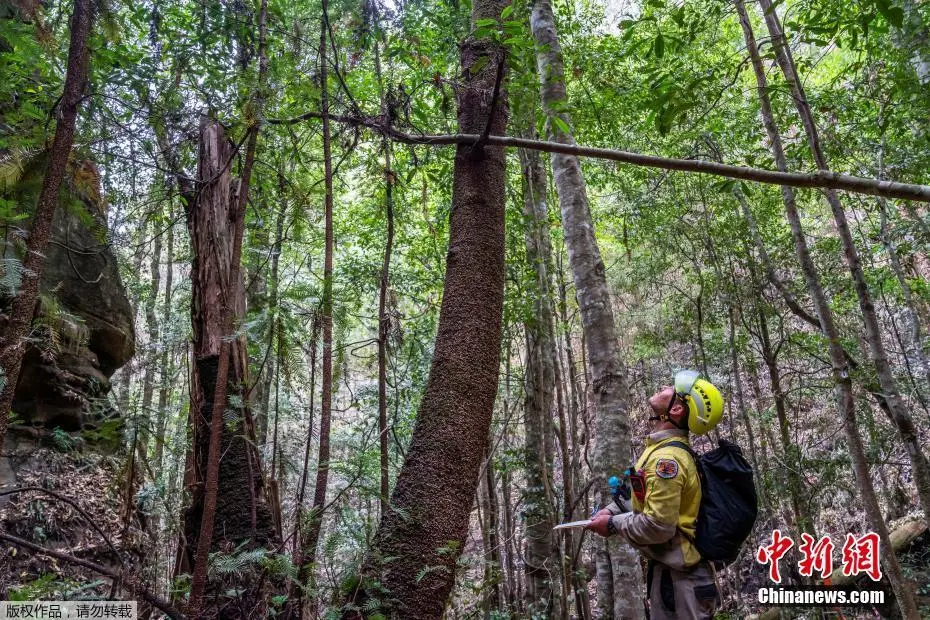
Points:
(65, 438)
(84, 321)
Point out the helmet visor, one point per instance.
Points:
(685, 380)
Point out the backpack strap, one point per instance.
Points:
(677, 444)
(683, 446)
(697, 463)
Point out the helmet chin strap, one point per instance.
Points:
(682, 424)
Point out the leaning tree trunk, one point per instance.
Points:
(422, 535)
(873, 335)
(241, 511)
(13, 341)
(620, 580)
(543, 561)
(845, 397)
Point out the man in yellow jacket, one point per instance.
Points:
(660, 516)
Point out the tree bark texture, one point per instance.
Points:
(542, 567)
(620, 580)
(411, 568)
(13, 341)
(873, 334)
(240, 507)
(845, 398)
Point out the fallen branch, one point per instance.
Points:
(147, 596)
(823, 179)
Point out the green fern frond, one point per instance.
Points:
(235, 564)
(332, 545)
(11, 274)
(58, 329)
(13, 164)
(280, 565)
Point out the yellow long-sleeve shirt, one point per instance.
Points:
(671, 504)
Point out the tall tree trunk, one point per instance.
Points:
(384, 321)
(164, 388)
(257, 296)
(873, 335)
(274, 347)
(513, 600)
(270, 364)
(302, 487)
(790, 452)
(124, 387)
(494, 533)
(575, 507)
(144, 416)
(227, 494)
(914, 324)
(543, 562)
(15, 332)
(310, 540)
(620, 580)
(493, 573)
(425, 529)
(224, 298)
(845, 397)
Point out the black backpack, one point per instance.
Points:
(728, 501)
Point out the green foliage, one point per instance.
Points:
(62, 440)
(688, 282)
(279, 565)
(38, 589)
(238, 564)
(56, 329)
(107, 434)
(426, 570)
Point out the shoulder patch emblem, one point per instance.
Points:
(666, 468)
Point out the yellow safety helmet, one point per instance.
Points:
(704, 401)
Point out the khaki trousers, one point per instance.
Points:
(688, 595)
